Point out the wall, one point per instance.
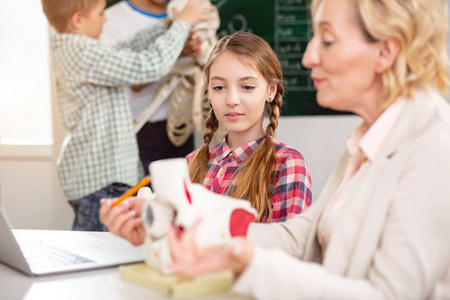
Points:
(29, 189)
(321, 140)
(30, 196)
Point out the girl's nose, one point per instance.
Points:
(233, 98)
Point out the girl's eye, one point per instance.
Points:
(326, 43)
(248, 87)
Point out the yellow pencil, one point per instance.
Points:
(145, 181)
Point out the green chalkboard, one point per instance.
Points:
(286, 25)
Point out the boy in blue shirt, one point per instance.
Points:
(99, 156)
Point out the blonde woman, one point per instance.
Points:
(380, 229)
(243, 81)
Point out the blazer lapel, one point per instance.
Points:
(342, 242)
(355, 239)
(414, 118)
(313, 251)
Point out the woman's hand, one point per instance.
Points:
(190, 260)
(124, 219)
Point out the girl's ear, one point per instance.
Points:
(76, 20)
(272, 91)
(387, 55)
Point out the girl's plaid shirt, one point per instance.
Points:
(290, 185)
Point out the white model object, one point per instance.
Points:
(176, 201)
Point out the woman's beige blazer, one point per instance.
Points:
(393, 239)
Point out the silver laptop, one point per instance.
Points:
(44, 252)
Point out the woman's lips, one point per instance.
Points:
(317, 81)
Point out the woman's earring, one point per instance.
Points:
(270, 100)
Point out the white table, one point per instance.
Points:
(93, 284)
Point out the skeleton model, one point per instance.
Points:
(179, 202)
(183, 91)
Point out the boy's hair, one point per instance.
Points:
(59, 12)
(252, 179)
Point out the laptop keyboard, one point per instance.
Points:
(40, 255)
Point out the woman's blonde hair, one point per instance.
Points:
(251, 180)
(59, 12)
(420, 27)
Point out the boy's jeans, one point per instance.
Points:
(87, 208)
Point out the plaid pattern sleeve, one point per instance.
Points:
(110, 67)
(291, 187)
(143, 38)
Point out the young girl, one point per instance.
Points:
(243, 83)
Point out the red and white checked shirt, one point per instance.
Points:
(290, 184)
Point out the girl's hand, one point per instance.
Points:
(124, 219)
(190, 260)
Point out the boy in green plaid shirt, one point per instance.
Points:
(99, 157)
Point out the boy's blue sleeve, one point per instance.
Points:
(111, 67)
(143, 38)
